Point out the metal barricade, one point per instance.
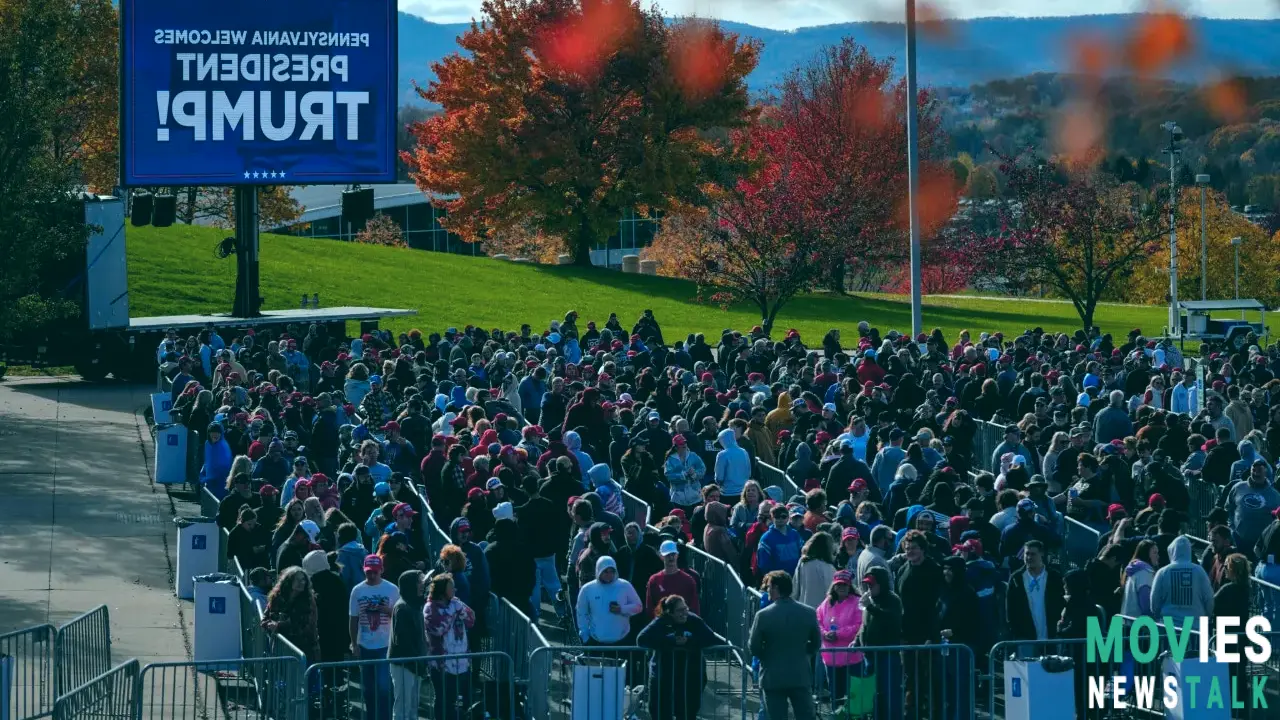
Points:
(26, 666)
(208, 503)
(1001, 673)
(751, 599)
(902, 681)
(770, 475)
(82, 650)
(634, 509)
(110, 695)
(514, 635)
(1079, 544)
(1204, 497)
(718, 582)
(985, 441)
(1264, 601)
(233, 690)
(377, 689)
(635, 682)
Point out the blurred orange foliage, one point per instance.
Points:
(581, 44)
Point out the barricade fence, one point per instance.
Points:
(635, 510)
(82, 650)
(772, 476)
(720, 593)
(514, 635)
(1204, 498)
(642, 683)
(985, 441)
(1012, 662)
(108, 696)
(382, 688)
(905, 681)
(1079, 544)
(26, 670)
(247, 689)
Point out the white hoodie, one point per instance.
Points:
(1181, 589)
(595, 622)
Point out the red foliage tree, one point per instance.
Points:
(1071, 228)
(559, 115)
(766, 239)
(843, 109)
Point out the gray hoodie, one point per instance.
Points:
(408, 636)
(1181, 589)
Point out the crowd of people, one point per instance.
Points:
(326, 452)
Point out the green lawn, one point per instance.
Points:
(174, 270)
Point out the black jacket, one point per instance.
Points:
(1018, 612)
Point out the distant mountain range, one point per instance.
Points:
(972, 51)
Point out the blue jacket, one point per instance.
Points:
(217, 463)
(885, 465)
(778, 550)
(351, 557)
(531, 391)
(733, 468)
(271, 471)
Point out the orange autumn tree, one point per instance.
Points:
(559, 115)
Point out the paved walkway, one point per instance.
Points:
(81, 523)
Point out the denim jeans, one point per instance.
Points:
(375, 682)
(407, 686)
(546, 578)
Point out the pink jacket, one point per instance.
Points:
(848, 618)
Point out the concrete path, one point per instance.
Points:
(81, 523)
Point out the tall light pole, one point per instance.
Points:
(1172, 150)
(1235, 244)
(913, 172)
(1203, 181)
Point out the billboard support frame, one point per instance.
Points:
(248, 302)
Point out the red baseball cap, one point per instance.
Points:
(404, 508)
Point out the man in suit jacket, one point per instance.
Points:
(785, 638)
(1036, 597)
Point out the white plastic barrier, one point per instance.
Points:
(197, 553)
(171, 454)
(217, 618)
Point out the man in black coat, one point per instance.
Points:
(1034, 603)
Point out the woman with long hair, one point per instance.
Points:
(677, 670)
(289, 519)
(1137, 578)
(393, 548)
(1057, 444)
(816, 568)
(747, 509)
(291, 612)
(447, 618)
(241, 464)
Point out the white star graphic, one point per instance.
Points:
(255, 174)
(273, 173)
(246, 174)
(282, 173)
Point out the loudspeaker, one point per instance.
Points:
(142, 208)
(357, 209)
(166, 208)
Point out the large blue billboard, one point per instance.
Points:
(246, 92)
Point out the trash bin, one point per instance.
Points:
(1043, 688)
(217, 617)
(161, 405)
(197, 552)
(171, 454)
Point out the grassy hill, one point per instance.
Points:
(174, 270)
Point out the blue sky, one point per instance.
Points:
(788, 14)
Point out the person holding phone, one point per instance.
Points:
(605, 606)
